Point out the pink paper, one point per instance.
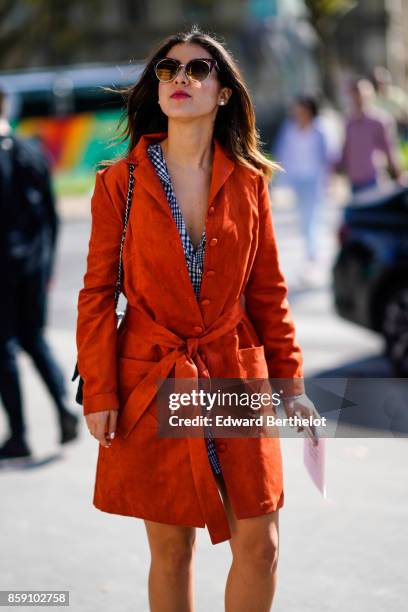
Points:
(314, 458)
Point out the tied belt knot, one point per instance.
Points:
(192, 346)
(191, 351)
(183, 356)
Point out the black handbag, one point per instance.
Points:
(78, 397)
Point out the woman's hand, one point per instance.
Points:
(102, 426)
(303, 407)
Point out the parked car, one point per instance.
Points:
(370, 272)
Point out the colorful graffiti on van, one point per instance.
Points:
(75, 145)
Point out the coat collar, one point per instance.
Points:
(223, 166)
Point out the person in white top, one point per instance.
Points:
(301, 148)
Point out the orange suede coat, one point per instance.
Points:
(240, 327)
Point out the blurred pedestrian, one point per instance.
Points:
(368, 132)
(28, 234)
(302, 149)
(390, 98)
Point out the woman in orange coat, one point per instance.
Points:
(205, 298)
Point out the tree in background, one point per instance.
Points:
(324, 16)
(43, 31)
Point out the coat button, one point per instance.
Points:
(211, 210)
(221, 447)
(210, 272)
(205, 302)
(198, 329)
(213, 241)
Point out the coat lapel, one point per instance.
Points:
(223, 166)
(145, 174)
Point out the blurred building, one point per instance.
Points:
(102, 30)
(271, 39)
(54, 82)
(397, 41)
(375, 33)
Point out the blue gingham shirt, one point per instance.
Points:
(194, 257)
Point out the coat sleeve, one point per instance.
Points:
(96, 322)
(267, 304)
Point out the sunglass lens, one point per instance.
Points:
(198, 70)
(166, 69)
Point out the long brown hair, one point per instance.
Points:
(235, 126)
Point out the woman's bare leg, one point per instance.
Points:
(171, 568)
(254, 543)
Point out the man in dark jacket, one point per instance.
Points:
(28, 232)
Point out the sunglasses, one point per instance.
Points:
(197, 69)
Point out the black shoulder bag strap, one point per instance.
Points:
(118, 286)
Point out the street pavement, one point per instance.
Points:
(345, 552)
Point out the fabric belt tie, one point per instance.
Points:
(185, 358)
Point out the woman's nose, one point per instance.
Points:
(181, 76)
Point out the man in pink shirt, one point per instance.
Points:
(368, 131)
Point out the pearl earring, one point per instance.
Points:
(222, 102)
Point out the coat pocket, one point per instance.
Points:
(252, 362)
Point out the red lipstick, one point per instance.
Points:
(180, 94)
